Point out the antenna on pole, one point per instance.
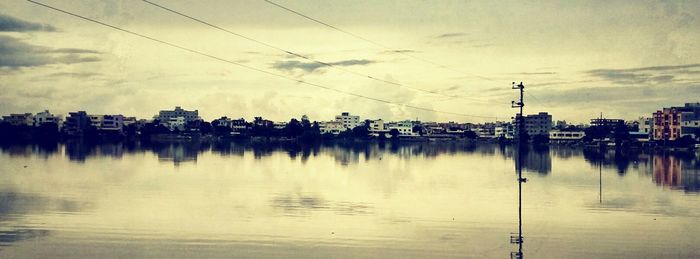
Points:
(520, 126)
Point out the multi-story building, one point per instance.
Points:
(76, 123)
(641, 128)
(405, 128)
(45, 117)
(112, 123)
(504, 130)
(18, 119)
(690, 120)
(348, 121)
(96, 120)
(536, 124)
(188, 116)
(333, 127)
(667, 124)
(377, 127)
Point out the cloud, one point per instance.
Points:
(9, 23)
(74, 74)
(310, 67)
(645, 75)
(75, 51)
(451, 35)
(536, 73)
(399, 51)
(15, 53)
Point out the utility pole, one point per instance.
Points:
(521, 144)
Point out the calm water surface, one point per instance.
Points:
(381, 201)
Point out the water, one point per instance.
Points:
(380, 201)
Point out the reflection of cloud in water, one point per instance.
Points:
(304, 204)
(14, 207)
(7, 237)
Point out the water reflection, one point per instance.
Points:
(15, 207)
(398, 200)
(673, 170)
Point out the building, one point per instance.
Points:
(112, 123)
(239, 126)
(175, 123)
(667, 124)
(45, 117)
(641, 129)
(377, 127)
(332, 127)
(76, 123)
(560, 125)
(18, 119)
(690, 120)
(279, 125)
(130, 120)
(405, 128)
(536, 124)
(348, 121)
(608, 123)
(505, 130)
(564, 136)
(167, 115)
(96, 120)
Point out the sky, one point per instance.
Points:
(576, 59)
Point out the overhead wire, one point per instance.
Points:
(200, 20)
(253, 68)
(386, 47)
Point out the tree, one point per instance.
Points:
(293, 129)
(394, 133)
(685, 141)
(360, 131)
(418, 129)
(469, 134)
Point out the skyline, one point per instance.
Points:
(624, 60)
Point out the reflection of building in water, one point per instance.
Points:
(539, 161)
(676, 173)
(177, 153)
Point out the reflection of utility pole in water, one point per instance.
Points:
(600, 179)
(522, 144)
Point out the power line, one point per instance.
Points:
(199, 20)
(385, 46)
(250, 67)
(377, 43)
(538, 100)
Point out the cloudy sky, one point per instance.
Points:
(576, 58)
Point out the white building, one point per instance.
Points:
(377, 126)
(45, 117)
(333, 127)
(557, 135)
(107, 122)
(348, 121)
(405, 128)
(504, 131)
(166, 115)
